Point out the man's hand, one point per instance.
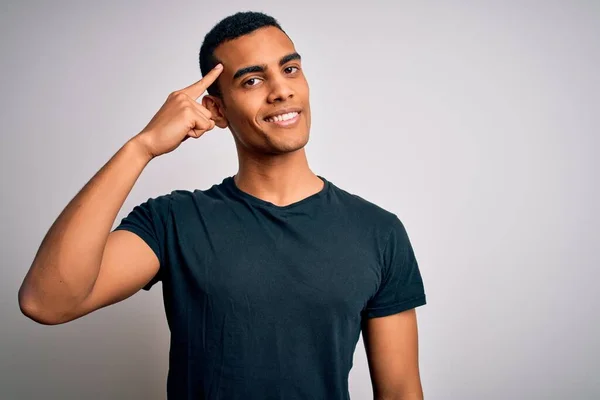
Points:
(180, 118)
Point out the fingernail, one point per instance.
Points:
(219, 66)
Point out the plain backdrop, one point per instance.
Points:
(477, 123)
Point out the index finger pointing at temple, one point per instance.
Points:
(196, 89)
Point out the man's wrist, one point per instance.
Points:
(137, 147)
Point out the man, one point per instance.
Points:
(269, 276)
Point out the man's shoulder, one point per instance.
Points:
(182, 195)
(362, 205)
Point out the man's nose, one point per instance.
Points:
(281, 90)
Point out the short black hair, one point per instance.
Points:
(232, 27)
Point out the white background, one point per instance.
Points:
(477, 123)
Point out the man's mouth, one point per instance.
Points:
(286, 119)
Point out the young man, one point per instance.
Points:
(269, 276)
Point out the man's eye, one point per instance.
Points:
(251, 82)
(293, 68)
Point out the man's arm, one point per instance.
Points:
(67, 265)
(391, 344)
(80, 265)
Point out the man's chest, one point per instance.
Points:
(247, 266)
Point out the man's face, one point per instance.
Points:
(265, 93)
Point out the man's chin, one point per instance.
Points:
(288, 144)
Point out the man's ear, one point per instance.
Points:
(215, 105)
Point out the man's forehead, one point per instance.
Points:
(263, 46)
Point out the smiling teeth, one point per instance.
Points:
(282, 117)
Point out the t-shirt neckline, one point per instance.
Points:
(230, 183)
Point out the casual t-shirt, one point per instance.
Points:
(266, 301)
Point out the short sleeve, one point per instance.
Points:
(401, 286)
(148, 221)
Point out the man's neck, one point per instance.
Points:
(281, 180)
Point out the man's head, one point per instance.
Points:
(261, 79)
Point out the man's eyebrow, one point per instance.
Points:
(288, 58)
(248, 70)
(262, 68)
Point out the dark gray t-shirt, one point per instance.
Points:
(266, 302)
